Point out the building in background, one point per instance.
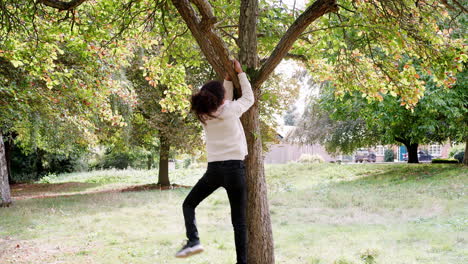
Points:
(285, 152)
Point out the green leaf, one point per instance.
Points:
(17, 63)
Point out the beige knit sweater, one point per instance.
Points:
(225, 138)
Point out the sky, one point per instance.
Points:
(299, 3)
(288, 67)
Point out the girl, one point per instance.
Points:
(226, 148)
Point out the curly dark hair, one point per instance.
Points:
(207, 100)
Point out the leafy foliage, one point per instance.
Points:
(459, 156)
(389, 155)
(386, 47)
(445, 161)
(350, 121)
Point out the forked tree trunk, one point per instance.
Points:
(163, 177)
(260, 245)
(260, 238)
(5, 196)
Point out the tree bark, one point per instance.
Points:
(62, 5)
(5, 195)
(209, 42)
(38, 164)
(248, 33)
(163, 177)
(465, 157)
(260, 246)
(8, 153)
(412, 152)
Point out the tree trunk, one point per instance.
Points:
(259, 231)
(465, 157)
(150, 161)
(260, 245)
(38, 164)
(5, 195)
(412, 152)
(163, 178)
(8, 153)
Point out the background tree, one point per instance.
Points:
(346, 123)
(176, 128)
(316, 125)
(55, 83)
(290, 118)
(4, 186)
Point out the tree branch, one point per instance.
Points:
(61, 5)
(298, 57)
(236, 40)
(248, 34)
(211, 44)
(206, 11)
(316, 10)
(460, 6)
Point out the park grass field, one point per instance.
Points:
(321, 213)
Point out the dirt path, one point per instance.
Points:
(45, 190)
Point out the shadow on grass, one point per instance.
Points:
(31, 189)
(406, 173)
(45, 190)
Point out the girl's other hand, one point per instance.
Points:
(237, 66)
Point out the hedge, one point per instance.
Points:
(445, 161)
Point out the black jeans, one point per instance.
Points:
(229, 174)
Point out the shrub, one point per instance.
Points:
(389, 155)
(368, 256)
(187, 163)
(444, 161)
(48, 178)
(136, 158)
(343, 261)
(459, 156)
(308, 158)
(28, 167)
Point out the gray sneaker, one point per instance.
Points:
(191, 248)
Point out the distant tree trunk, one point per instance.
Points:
(164, 148)
(412, 152)
(8, 152)
(465, 157)
(39, 166)
(4, 184)
(150, 161)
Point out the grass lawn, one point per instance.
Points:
(321, 213)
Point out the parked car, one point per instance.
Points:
(364, 155)
(422, 156)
